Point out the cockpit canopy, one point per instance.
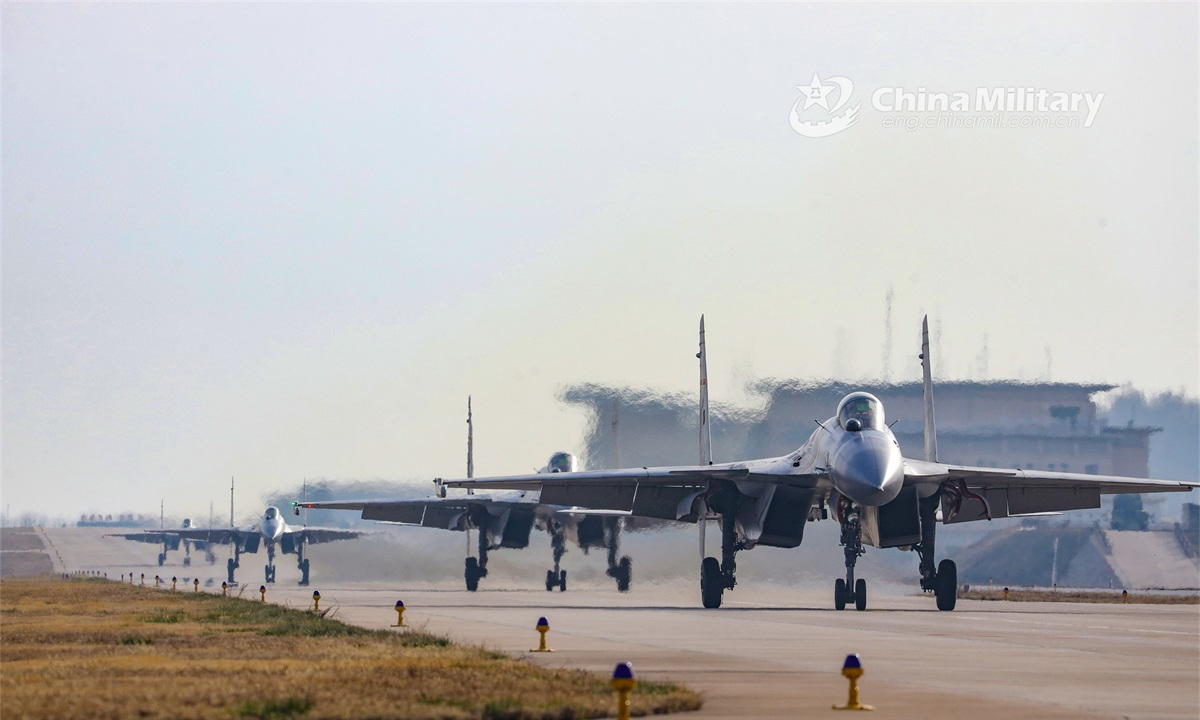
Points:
(561, 462)
(863, 407)
(272, 513)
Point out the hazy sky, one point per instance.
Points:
(277, 241)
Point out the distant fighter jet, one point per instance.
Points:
(270, 530)
(170, 540)
(504, 520)
(852, 466)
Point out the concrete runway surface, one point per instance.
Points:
(776, 651)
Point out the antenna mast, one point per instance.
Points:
(887, 335)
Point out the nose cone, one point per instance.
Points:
(867, 468)
(273, 528)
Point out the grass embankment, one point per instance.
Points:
(1079, 596)
(99, 649)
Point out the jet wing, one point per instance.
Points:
(444, 513)
(170, 537)
(667, 493)
(979, 493)
(314, 535)
(217, 536)
(157, 537)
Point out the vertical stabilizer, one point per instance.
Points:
(470, 449)
(470, 442)
(705, 432)
(927, 381)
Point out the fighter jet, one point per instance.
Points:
(851, 465)
(270, 530)
(170, 540)
(504, 520)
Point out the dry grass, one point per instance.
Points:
(100, 649)
(1079, 596)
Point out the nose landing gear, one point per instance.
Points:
(556, 577)
(850, 590)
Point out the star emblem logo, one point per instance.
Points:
(820, 93)
(815, 93)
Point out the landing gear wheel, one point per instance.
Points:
(303, 573)
(860, 594)
(947, 585)
(187, 562)
(625, 574)
(471, 573)
(269, 572)
(712, 584)
(839, 594)
(562, 581)
(550, 580)
(162, 558)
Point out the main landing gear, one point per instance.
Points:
(619, 570)
(556, 577)
(234, 563)
(473, 569)
(302, 563)
(717, 577)
(850, 590)
(943, 582)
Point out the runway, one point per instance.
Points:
(775, 651)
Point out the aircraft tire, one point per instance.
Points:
(625, 574)
(550, 580)
(712, 585)
(947, 585)
(471, 573)
(839, 594)
(162, 558)
(562, 581)
(860, 594)
(187, 562)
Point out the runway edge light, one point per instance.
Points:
(316, 601)
(623, 682)
(262, 589)
(542, 627)
(399, 614)
(852, 670)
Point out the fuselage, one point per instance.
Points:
(855, 448)
(271, 526)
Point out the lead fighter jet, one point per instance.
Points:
(852, 465)
(504, 520)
